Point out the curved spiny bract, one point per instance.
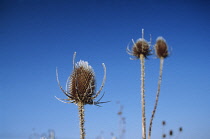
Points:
(102, 85)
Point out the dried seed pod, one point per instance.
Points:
(161, 48)
(141, 47)
(82, 83)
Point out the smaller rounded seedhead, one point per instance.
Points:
(161, 48)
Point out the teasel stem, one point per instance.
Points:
(143, 97)
(82, 119)
(157, 96)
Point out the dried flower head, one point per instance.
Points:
(161, 48)
(141, 47)
(81, 84)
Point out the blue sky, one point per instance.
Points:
(38, 36)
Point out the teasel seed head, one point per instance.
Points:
(82, 83)
(141, 47)
(161, 48)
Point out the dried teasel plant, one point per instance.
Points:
(141, 50)
(81, 89)
(161, 50)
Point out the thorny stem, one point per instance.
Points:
(143, 97)
(81, 119)
(157, 96)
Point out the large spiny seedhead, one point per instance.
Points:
(161, 48)
(82, 83)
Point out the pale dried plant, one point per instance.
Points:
(81, 89)
(141, 50)
(161, 50)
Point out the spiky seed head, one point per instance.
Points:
(141, 47)
(82, 83)
(161, 48)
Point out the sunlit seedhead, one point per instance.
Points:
(140, 47)
(82, 83)
(161, 48)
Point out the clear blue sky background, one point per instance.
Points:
(36, 36)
